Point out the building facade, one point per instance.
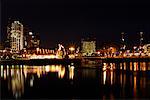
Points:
(146, 48)
(15, 36)
(88, 47)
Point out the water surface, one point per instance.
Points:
(75, 82)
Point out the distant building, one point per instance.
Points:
(109, 49)
(15, 36)
(1, 46)
(88, 47)
(146, 48)
(123, 41)
(32, 41)
(141, 38)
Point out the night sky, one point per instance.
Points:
(59, 21)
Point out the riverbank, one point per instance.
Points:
(40, 61)
(86, 61)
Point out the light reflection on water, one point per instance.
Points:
(71, 72)
(104, 77)
(18, 75)
(135, 86)
(41, 70)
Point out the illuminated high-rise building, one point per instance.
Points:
(88, 46)
(123, 45)
(141, 38)
(15, 36)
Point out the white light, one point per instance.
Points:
(47, 68)
(104, 66)
(31, 83)
(7, 66)
(104, 77)
(134, 47)
(30, 33)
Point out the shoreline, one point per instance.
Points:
(75, 61)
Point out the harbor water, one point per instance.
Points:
(73, 81)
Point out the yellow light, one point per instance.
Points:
(130, 65)
(124, 66)
(71, 48)
(61, 72)
(4, 74)
(2, 71)
(104, 67)
(71, 72)
(71, 56)
(143, 66)
(52, 56)
(25, 71)
(39, 71)
(121, 78)
(135, 66)
(53, 69)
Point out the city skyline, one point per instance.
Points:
(67, 22)
(74, 49)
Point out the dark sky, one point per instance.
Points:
(67, 21)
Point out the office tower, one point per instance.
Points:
(15, 36)
(141, 38)
(123, 46)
